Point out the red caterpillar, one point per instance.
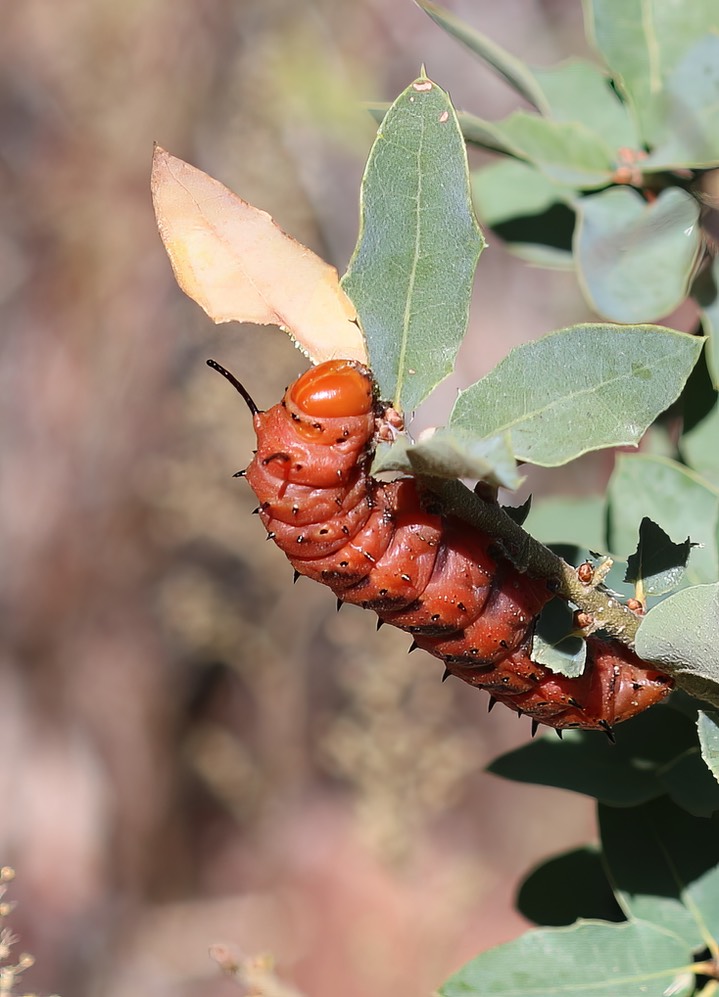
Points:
(376, 544)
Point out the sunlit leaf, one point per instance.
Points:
(578, 521)
(691, 110)
(237, 264)
(411, 273)
(453, 454)
(658, 563)
(634, 259)
(681, 635)
(577, 90)
(510, 188)
(568, 152)
(527, 210)
(593, 957)
(681, 502)
(579, 389)
(642, 42)
(486, 134)
(554, 644)
(699, 446)
(706, 293)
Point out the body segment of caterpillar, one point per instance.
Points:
(376, 544)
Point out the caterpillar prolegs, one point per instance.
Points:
(378, 545)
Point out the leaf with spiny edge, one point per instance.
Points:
(658, 563)
(411, 273)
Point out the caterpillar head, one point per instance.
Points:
(333, 390)
(339, 389)
(330, 405)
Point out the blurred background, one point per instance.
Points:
(193, 751)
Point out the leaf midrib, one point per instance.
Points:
(406, 317)
(529, 414)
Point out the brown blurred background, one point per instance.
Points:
(193, 751)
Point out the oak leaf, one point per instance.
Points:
(238, 265)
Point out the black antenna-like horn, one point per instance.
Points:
(236, 384)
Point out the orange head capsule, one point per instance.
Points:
(333, 390)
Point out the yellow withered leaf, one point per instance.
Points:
(238, 264)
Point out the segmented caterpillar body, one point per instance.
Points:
(376, 544)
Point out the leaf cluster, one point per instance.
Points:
(610, 169)
(607, 172)
(640, 914)
(583, 388)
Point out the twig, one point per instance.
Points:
(530, 556)
(255, 974)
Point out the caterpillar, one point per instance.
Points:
(382, 546)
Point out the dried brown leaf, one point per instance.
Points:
(238, 264)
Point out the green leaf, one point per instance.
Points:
(549, 894)
(453, 454)
(635, 260)
(475, 130)
(486, 134)
(699, 447)
(554, 644)
(621, 775)
(680, 501)
(658, 564)
(706, 293)
(708, 728)
(577, 90)
(578, 521)
(510, 188)
(590, 957)
(526, 210)
(664, 865)
(690, 784)
(690, 136)
(508, 66)
(681, 635)
(567, 152)
(642, 42)
(579, 389)
(411, 274)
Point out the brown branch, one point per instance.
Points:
(530, 556)
(603, 608)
